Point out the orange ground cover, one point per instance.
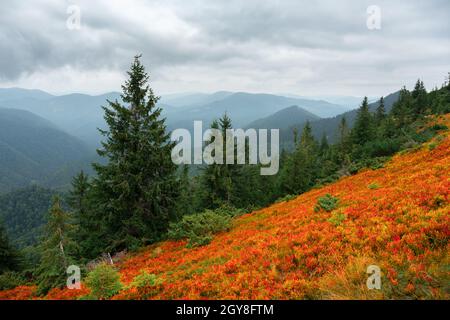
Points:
(396, 217)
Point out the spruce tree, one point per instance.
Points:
(88, 223)
(324, 145)
(211, 180)
(57, 249)
(220, 180)
(419, 95)
(402, 109)
(344, 137)
(307, 138)
(363, 130)
(380, 113)
(185, 199)
(78, 199)
(301, 167)
(137, 188)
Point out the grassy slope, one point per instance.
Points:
(288, 251)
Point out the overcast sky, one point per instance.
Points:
(297, 47)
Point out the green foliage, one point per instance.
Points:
(104, 282)
(10, 280)
(147, 285)
(432, 146)
(24, 214)
(286, 198)
(373, 186)
(381, 147)
(57, 250)
(301, 167)
(327, 203)
(218, 180)
(89, 231)
(337, 218)
(199, 228)
(438, 127)
(380, 113)
(9, 259)
(363, 129)
(135, 191)
(372, 163)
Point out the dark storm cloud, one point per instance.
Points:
(210, 44)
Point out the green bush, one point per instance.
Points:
(104, 282)
(147, 285)
(10, 280)
(199, 228)
(327, 203)
(381, 148)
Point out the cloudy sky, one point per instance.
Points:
(286, 46)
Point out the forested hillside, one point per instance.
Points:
(24, 214)
(330, 126)
(33, 150)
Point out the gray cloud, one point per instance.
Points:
(271, 46)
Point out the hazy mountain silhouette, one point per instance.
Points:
(284, 118)
(33, 150)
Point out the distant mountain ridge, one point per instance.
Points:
(19, 93)
(243, 108)
(77, 114)
(80, 114)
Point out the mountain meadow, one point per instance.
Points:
(89, 192)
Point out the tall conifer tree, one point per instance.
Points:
(363, 130)
(137, 188)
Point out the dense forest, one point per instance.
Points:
(138, 196)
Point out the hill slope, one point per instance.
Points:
(395, 217)
(32, 149)
(284, 118)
